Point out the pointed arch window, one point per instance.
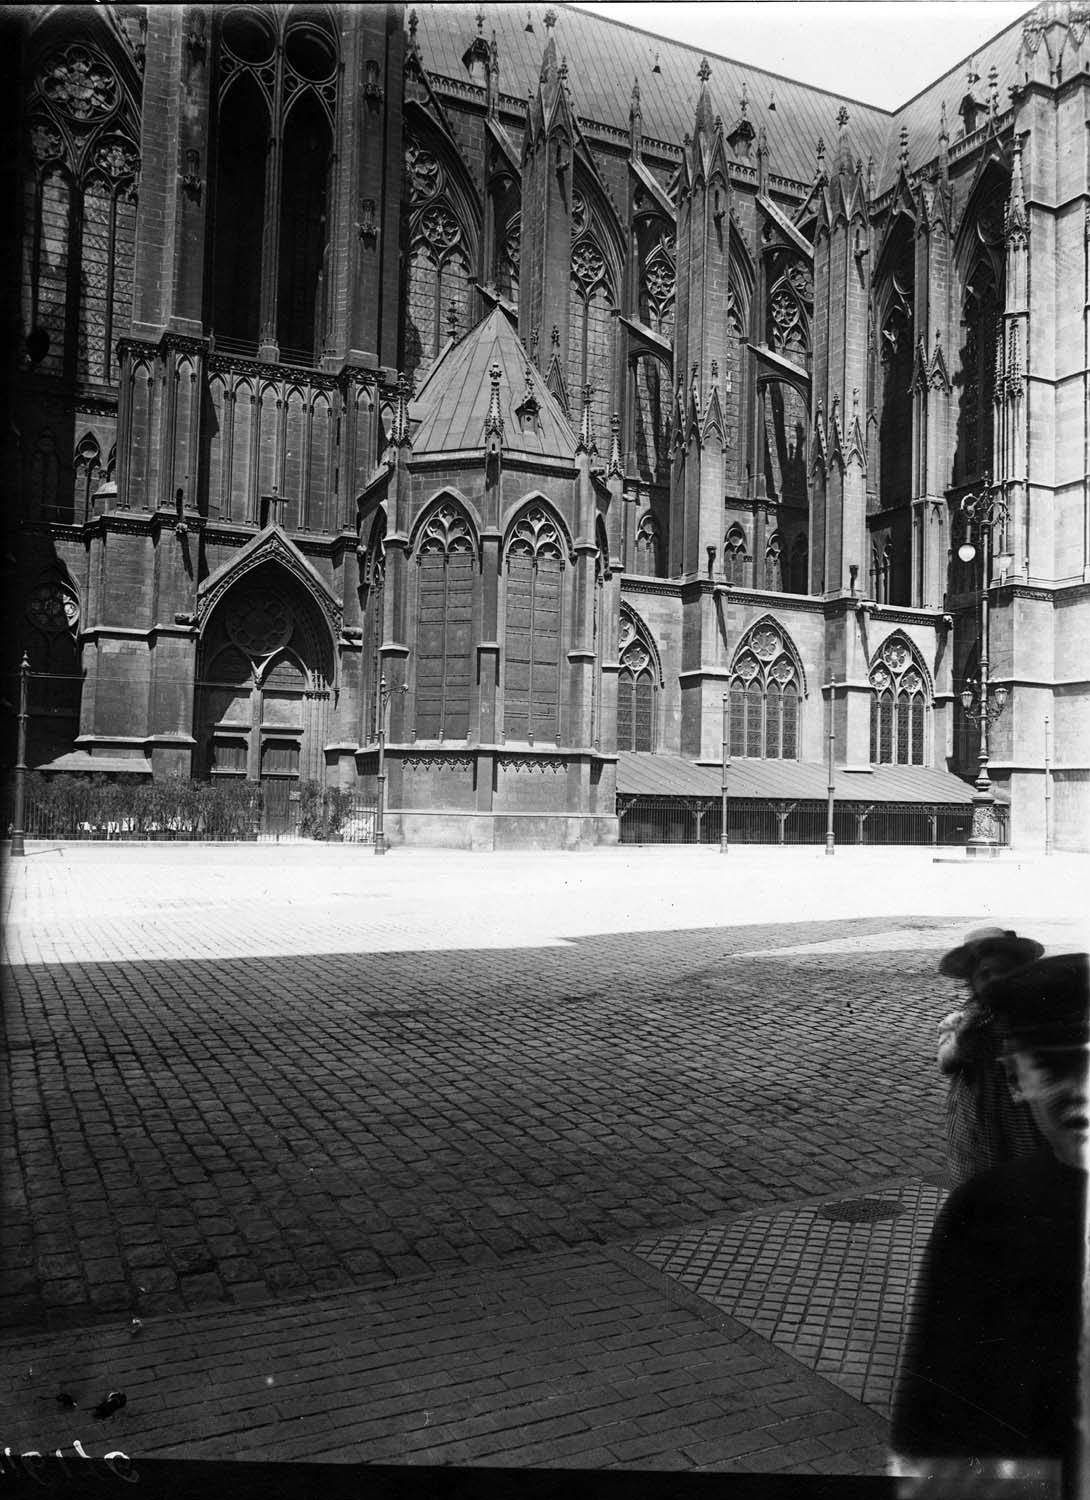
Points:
(790, 307)
(277, 101)
(765, 692)
(896, 346)
(734, 556)
(980, 315)
(649, 546)
(898, 706)
(373, 610)
(590, 333)
(80, 212)
(533, 619)
(799, 564)
(441, 251)
(446, 585)
(651, 413)
(636, 689)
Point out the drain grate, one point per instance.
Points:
(862, 1210)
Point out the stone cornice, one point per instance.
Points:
(231, 533)
(635, 584)
(71, 531)
(766, 599)
(473, 458)
(124, 523)
(241, 364)
(881, 613)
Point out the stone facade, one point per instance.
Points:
(362, 348)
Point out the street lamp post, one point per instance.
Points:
(723, 841)
(18, 832)
(830, 808)
(384, 694)
(982, 703)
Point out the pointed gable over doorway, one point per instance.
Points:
(273, 545)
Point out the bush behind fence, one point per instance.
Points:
(77, 807)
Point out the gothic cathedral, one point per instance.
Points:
(560, 403)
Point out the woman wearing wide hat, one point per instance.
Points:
(984, 1124)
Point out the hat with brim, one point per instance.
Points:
(960, 962)
(1044, 1004)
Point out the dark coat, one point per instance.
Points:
(990, 1365)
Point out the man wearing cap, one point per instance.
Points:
(990, 1368)
(984, 1124)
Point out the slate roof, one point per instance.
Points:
(920, 116)
(450, 409)
(605, 56)
(645, 775)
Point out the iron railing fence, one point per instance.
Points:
(696, 820)
(76, 807)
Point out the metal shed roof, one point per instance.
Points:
(643, 775)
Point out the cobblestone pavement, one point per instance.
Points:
(243, 1097)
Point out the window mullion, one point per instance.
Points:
(530, 653)
(444, 656)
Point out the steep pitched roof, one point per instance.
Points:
(920, 115)
(605, 55)
(451, 409)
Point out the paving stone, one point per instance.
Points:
(489, 1092)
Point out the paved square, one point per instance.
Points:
(304, 1099)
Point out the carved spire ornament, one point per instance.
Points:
(586, 433)
(400, 432)
(615, 468)
(493, 424)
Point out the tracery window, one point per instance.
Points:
(765, 689)
(276, 106)
(590, 321)
(447, 562)
(898, 707)
(651, 410)
(790, 307)
(659, 283)
(533, 634)
(980, 315)
(79, 213)
(896, 345)
(439, 279)
(785, 423)
(734, 556)
(373, 606)
(636, 688)
(732, 393)
(649, 545)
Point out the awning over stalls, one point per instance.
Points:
(642, 775)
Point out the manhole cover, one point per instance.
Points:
(862, 1210)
